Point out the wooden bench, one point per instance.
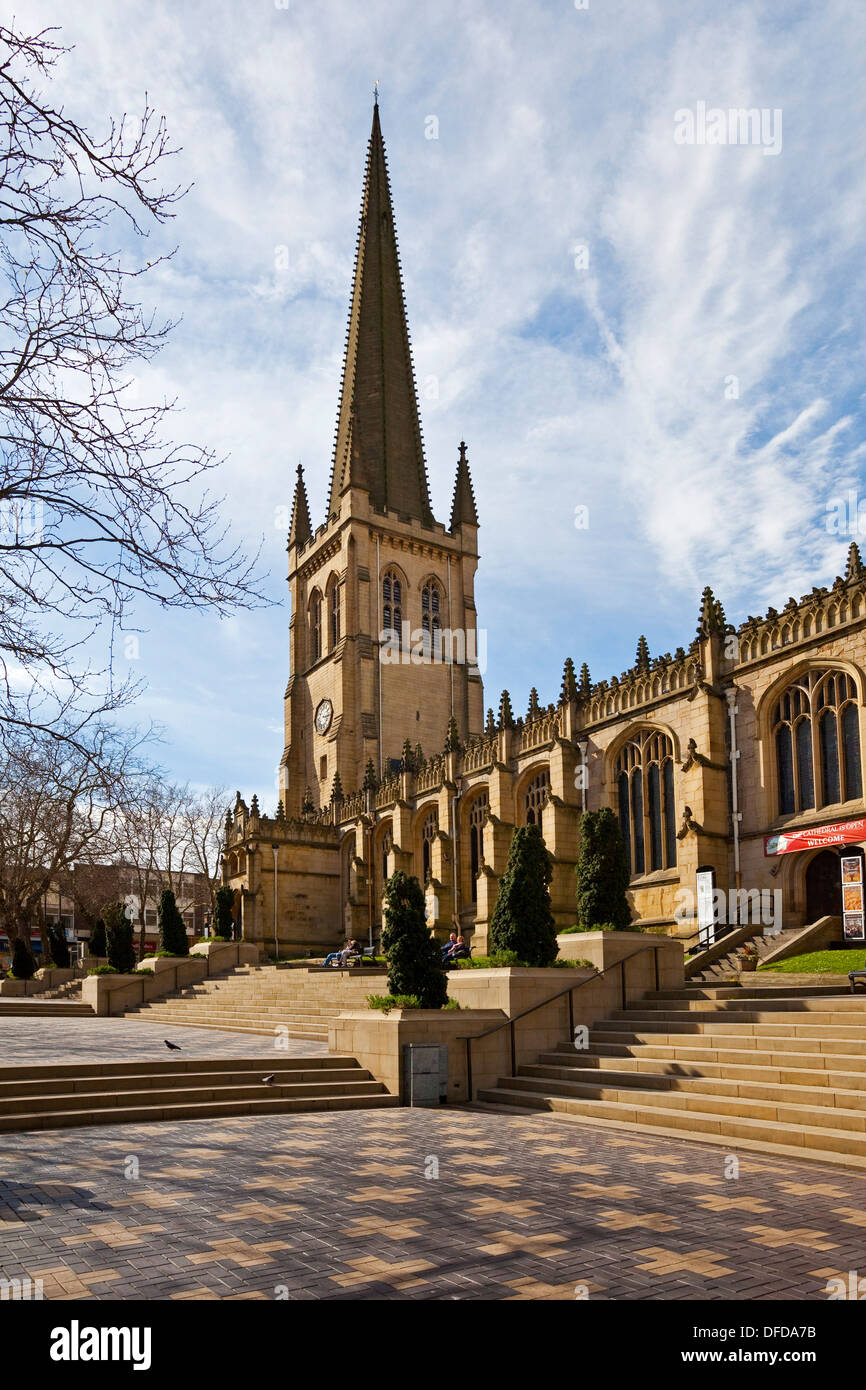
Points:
(856, 977)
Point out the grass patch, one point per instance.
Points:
(820, 963)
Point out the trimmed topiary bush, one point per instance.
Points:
(172, 932)
(602, 874)
(413, 955)
(59, 947)
(224, 922)
(98, 945)
(23, 964)
(120, 948)
(522, 921)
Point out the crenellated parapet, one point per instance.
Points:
(245, 823)
(662, 676)
(801, 620)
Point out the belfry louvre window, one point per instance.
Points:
(334, 613)
(431, 604)
(316, 625)
(392, 603)
(535, 797)
(816, 730)
(645, 790)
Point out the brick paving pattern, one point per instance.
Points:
(347, 1206)
(42, 1040)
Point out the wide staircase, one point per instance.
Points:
(103, 1093)
(38, 1006)
(266, 998)
(745, 1066)
(727, 966)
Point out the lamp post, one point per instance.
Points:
(276, 943)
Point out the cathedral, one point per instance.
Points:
(736, 758)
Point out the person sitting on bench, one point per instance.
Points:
(340, 958)
(449, 947)
(458, 951)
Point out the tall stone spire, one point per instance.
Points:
(463, 506)
(300, 530)
(379, 445)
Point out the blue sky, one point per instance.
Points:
(602, 385)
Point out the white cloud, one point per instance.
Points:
(604, 387)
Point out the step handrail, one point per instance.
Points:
(469, 1038)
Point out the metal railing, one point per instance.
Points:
(469, 1039)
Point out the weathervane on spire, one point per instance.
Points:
(376, 92)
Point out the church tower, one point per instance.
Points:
(383, 639)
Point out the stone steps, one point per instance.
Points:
(727, 965)
(262, 999)
(314, 1032)
(37, 1007)
(817, 1071)
(734, 1067)
(137, 1092)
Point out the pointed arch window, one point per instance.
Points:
(535, 797)
(431, 611)
(428, 835)
(645, 794)
(316, 625)
(334, 614)
(816, 733)
(386, 845)
(392, 605)
(477, 817)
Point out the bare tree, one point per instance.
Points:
(137, 836)
(98, 507)
(205, 814)
(56, 807)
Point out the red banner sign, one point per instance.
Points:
(843, 833)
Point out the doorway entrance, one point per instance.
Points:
(824, 886)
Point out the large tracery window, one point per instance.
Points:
(535, 796)
(816, 729)
(477, 816)
(392, 604)
(645, 790)
(428, 834)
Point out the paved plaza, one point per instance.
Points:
(416, 1204)
(45, 1040)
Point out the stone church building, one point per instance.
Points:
(390, 762)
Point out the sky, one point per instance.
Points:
(652, 345)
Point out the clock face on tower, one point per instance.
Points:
(324, 715)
